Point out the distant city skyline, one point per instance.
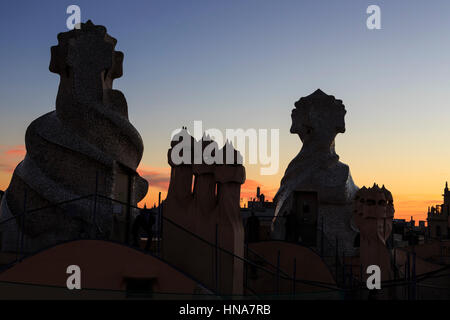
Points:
(243, 64)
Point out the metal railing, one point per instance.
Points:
(261, 278)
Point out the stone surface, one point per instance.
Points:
(87, 141)
(203, 198)
(317, 119)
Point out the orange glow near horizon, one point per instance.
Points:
(406, 204)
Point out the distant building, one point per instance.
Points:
(412, 223)
(263, 209)
(406, 233)
(438, 217)
(422, 225)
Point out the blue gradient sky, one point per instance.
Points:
(243, 63)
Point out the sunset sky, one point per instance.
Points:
(243, 64)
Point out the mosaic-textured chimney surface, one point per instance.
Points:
(317, 190)
(86, 146)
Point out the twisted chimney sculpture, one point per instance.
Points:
(86, 146)
(203, 231)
